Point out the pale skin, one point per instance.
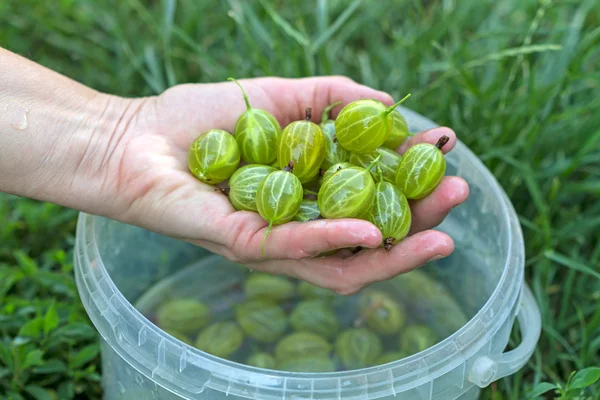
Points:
(126, 159)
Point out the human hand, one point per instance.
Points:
(154, 189)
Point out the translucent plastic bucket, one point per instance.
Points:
(482, 282)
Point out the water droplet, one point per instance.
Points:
(20, 118)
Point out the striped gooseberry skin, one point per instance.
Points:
(347, 193)
(308, 211)
(334, 153)
(334, 168)
(390, 213)
(257, 133)
(303, 144)
(388, 163)
(244, 183)
(399, 132)
(214, 156)
(279, 197)
(421, 169)
(262, 319)
(362, 126)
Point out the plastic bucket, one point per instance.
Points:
(482, 281)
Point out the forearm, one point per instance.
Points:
(55, 135)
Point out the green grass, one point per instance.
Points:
(517, 80)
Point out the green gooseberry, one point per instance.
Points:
(416, 338)
(389, 357)
(310, 291)
(388, 163)
(335, 168)
(315, 316)
(308, 211)
(382, 313)
(278, 198)
(358, 348)
(185, 315)
(261, 319)
(390, 212)
(364, 125)
(302, 144)
(399, 132)
(276, 287)
(421, 169)
(347, 193)
(314, 363)
(261, 360)
(257, 133)
(243, 186)
(220, 339)
(299, 344)
(214, 156)
(334, 153)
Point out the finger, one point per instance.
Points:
(430, 211)
(349, 275)
(293, 96)
(430, 136)
(295, 240)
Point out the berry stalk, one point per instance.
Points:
(392, 108)
(243, 92)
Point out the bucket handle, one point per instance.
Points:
(490, 368)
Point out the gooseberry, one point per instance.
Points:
(214, 156)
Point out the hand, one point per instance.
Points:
(156, 191)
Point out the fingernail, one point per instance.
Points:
(436, 257)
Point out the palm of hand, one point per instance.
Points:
(161, 195)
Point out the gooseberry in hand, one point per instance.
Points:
(421, 169)
(243, 186)
(257, 133)
(347, 193)
(390, 213)
(214, 156)
(364, 125)
(388, 163)
(334, 153)
(399, 132)
(303, 144)
(278, 198)
(308, 211)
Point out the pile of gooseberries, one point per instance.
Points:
(342, 168)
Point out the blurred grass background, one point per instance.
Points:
(517, 80)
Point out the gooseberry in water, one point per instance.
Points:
(347, 193)
(315, 316)
(184, 315)
(390, 212)
(214, 156)
(334, 153)
(243, 186)
(303, 144)
(364, 125)
(220, 339)
(278, 198)
(421, 169)
(416, 338)
(399, 132)
(262, 319)
(381, 312)
(358, 347)
(264, 285)
(388, 163)
(257, 133)
(301, 344)
(261, 360)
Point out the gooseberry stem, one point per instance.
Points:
(224, 190)
(387, 243)
(325, 115)
(265, 238)
(243, 92)
(308, 191)
(380, 173)
(308, 114)
(289, 167)
(392, 108)
(442, 142)
(375, 162)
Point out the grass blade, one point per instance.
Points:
(285, 26)
(339, 22)
(570, 263)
